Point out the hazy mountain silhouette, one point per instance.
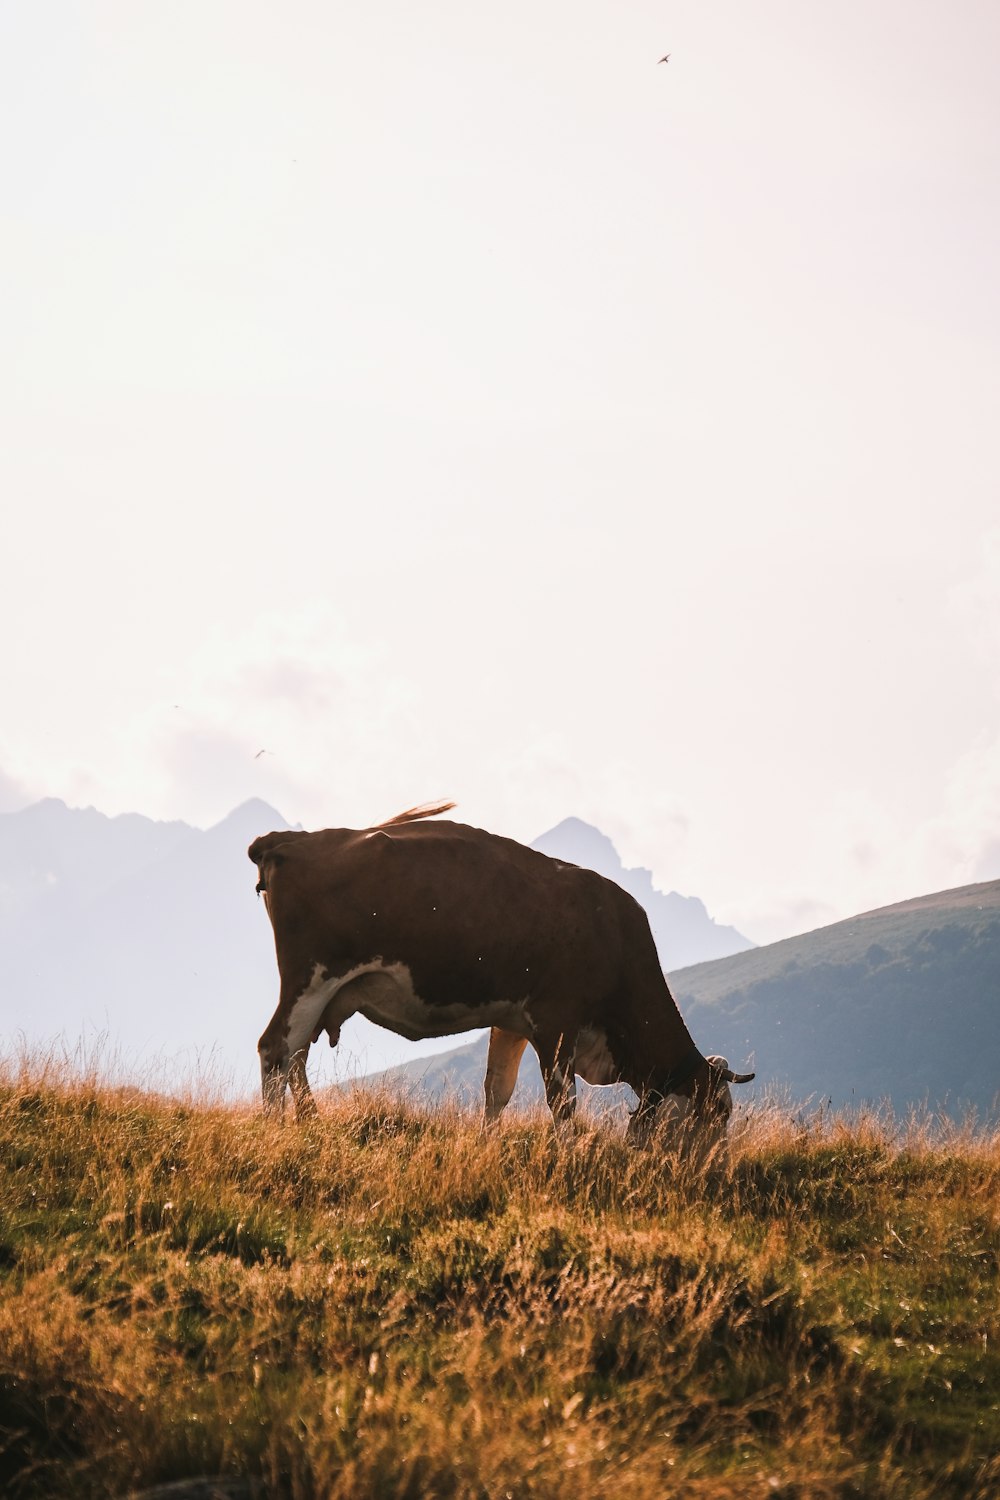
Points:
(147, 932)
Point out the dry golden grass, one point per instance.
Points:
(387, 1304)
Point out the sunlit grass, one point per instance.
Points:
(386, 1303)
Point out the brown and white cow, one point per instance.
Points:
(429, 928)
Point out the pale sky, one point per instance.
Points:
(453, 401)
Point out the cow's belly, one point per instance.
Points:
(390, 1000)
(384, 993)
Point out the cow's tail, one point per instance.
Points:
(412, 814)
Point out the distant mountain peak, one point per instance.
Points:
(583, 837)
(255, 810)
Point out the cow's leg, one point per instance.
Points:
(272, 1050)
(278, 1072)
(285, 1043)
(305, 1104)
(506, 1049)
(556, 1058)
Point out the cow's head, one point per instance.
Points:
(697, 1117)
(712, 1100)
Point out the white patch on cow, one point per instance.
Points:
(311, 1004)
(384, 993)
(398, 1007)
(592, 1059)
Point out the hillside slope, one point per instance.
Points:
(900, 1003)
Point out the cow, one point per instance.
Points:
(429, 928)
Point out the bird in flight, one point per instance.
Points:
(665, 59)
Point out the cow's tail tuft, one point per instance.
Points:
(413, 814)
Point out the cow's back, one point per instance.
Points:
(473, 916)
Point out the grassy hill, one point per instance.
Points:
(969, 912)
(900, 1004)
(386, 1305)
